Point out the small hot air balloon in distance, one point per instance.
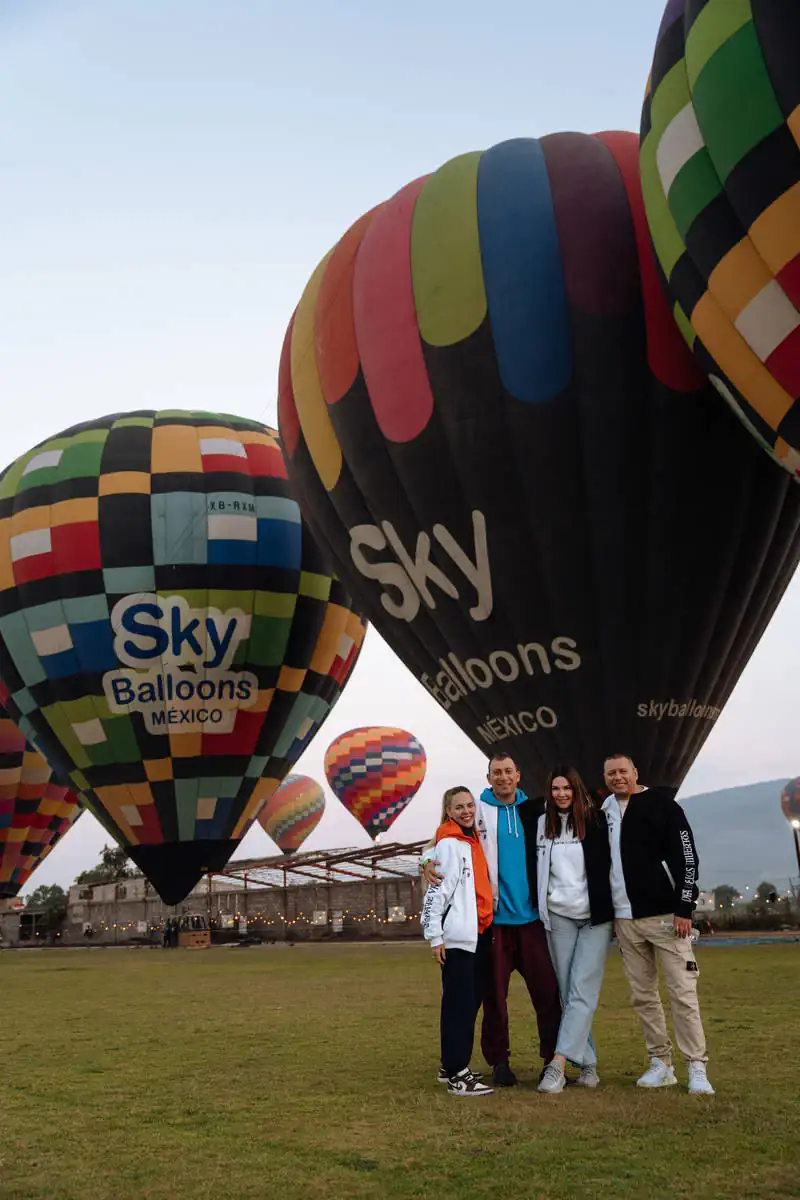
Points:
(35, 812)
(721, 180)
(171, 636)
(375, 772)
(790, 800)
(490, 418)
(293, 812)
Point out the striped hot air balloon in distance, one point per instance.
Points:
(375, 772)
(35, 812)
(294, 811)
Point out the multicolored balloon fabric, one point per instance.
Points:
(35, 812)
(721, 178)
(489, 415)
(375, 772)
(293, 812)
(790, 800)
(172, 638)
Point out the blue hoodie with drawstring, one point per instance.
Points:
(514, 903)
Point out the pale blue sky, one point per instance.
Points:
(173, 170)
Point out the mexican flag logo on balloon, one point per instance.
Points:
(170, 635)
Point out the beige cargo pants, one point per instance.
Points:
(644, 944)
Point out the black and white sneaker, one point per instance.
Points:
(443, 1077)
(466, 1084)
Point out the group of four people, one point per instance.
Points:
(540, 889)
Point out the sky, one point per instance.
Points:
(173, 171)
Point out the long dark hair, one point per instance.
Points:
(582, 810)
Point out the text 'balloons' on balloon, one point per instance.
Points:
(721, 177)
(171, 635)
(375, 772)
(35, 812)
(293, 812)
(790, 800)
(489, 415)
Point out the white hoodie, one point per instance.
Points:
(486, 817)
(450, 910)
(561, 875)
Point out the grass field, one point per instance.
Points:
(308, 1071)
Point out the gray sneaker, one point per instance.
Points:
(698, 1080)
(588, 1077)
(657, 1075)
(553, 1079)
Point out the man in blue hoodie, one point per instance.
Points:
(506, 823)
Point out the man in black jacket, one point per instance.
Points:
(654, 870)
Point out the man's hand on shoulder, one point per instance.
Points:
(430, 873)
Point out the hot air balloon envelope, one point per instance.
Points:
(790, 800)
(171, 636)
(293, 812)
(35, 812)
(375, 772)
(490, 417)
(721, 179)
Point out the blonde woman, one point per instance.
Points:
(456, 920)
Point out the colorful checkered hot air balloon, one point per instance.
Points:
(35, 812)
(293, 812)
(491, 420)
(790, 800)
(375, 772)
(721, 180)
(171, 636)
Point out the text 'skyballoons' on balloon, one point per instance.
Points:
(35, 812)
(293, 812)
(790, 800)
(490, 417)
(375, 772)
(721, 178)
(171, 637)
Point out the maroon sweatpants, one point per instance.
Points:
(520, 948)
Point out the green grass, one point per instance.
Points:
(309, 1072)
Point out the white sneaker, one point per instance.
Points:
(698, 1080)
(588, 1077)
(658, 1074)
(553, 1079)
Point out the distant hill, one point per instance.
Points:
(742, 836)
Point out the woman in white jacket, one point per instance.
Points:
(456, 920)
(573, 869)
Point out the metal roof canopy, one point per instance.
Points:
(365, 863)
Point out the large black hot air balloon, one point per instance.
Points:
(172, 638)
(489, 415)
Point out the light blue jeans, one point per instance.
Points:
(578, 950)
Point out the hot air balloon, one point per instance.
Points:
(35, 812)
(790, 800)
(293, 812)
(489, 416)
(721, 178)
(375, 772)
(171, 637)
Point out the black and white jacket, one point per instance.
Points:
(654, 863)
